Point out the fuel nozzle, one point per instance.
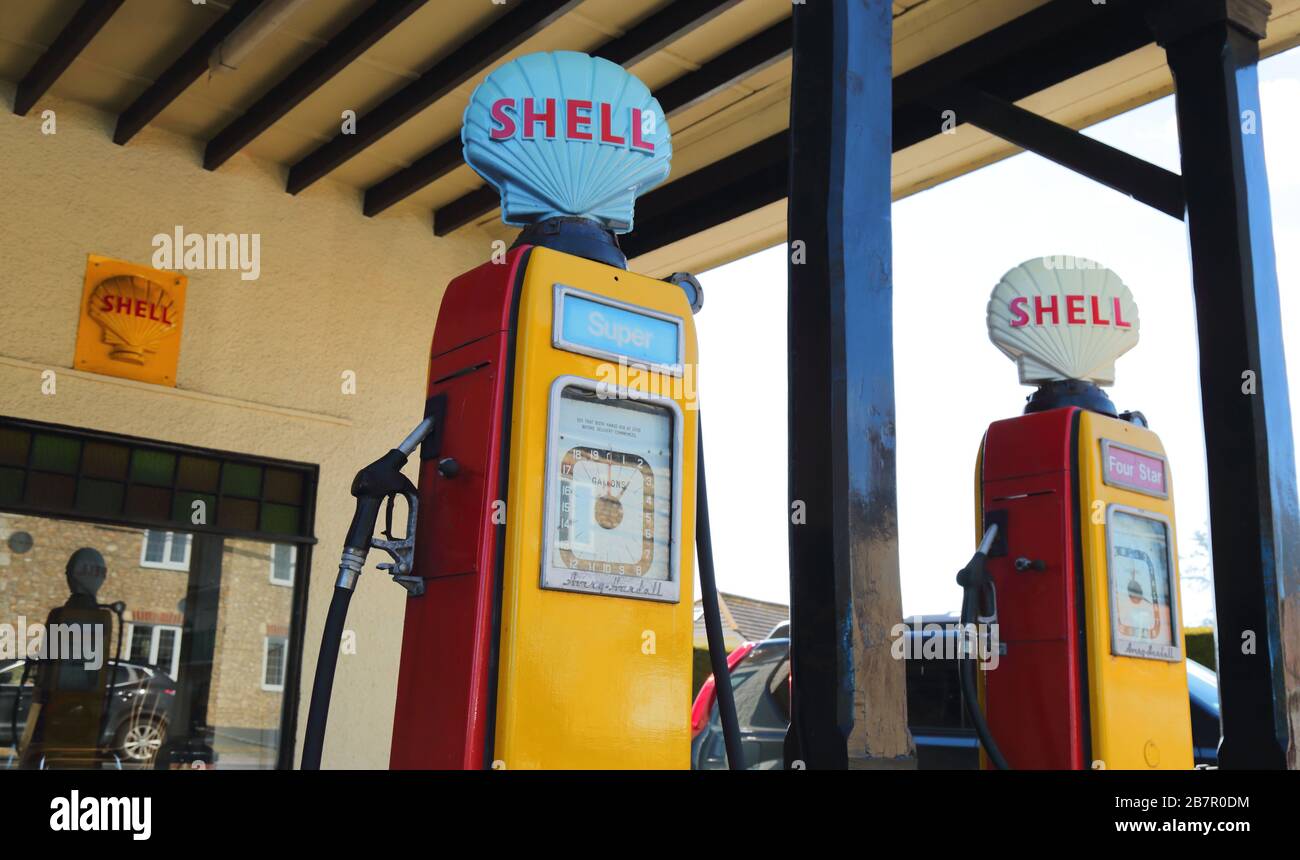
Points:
(382, 481)
(977, 592)
(976, 584)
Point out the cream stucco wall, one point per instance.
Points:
(261, 362)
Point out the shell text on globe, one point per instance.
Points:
(579, 122)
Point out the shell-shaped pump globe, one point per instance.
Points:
(1063, 317)
(561, 134)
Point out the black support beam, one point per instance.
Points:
(1143, 181)
(85, 24)
(1038, 50)
(351, 42)
(464, 209)
(1042, 48)
(659, 29)
(848, 697)
(181, 74)
(484, 48)
(1212, 46)
(424, 171)
(728, 68)
(747, 180)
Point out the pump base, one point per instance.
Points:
(1070, 392)
(580, 237)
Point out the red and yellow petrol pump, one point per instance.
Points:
(549, 621)
(1077, 564)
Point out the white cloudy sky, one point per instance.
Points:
(951, 245)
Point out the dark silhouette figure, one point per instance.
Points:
(66, 718)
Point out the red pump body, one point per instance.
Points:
(445, 697)
(1033, 700)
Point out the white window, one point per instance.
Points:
(283, 556)
(275, 658)
(155, 645)
(165, 550)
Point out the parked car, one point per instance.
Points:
(945, 738)
(139, 709)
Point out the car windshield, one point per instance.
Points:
(761, 687)
(1203, 684)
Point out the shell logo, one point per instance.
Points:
(563, 134)
(135, 314)
(1063, 318)
(131, 319)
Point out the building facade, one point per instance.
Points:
(318, 362)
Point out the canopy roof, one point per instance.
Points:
(721, 68)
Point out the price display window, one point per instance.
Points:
(1143, 603)
(613, 493)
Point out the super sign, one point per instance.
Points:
(565, 134)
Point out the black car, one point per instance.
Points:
(138, 713)
(945, 738)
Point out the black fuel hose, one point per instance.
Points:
(318, 713)
(973, 578)
(382, 479)
(18, 696)
(118, 608)
(713, 617)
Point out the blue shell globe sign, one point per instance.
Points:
(562, 133)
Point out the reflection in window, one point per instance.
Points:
(156, 645)
(283, 556)
(274, 656)
(165, 550)
(204, 669)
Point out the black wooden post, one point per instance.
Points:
(848, 704)
(1213, 49)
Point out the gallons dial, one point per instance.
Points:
(610, 491)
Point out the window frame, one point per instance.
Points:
(155, 634)
(293, 565)
(266, 662)
(169, 538)
(302, 537)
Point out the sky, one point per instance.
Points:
(952, 244)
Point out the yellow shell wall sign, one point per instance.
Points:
(131, 319)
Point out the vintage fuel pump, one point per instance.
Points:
(1077, 563)
(549, 620)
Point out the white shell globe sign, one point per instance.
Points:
(565, 134)
(1063, 318)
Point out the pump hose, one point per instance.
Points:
(713, 617)
(117, 662)
(318, 713)
(972, 579)
(18, 695)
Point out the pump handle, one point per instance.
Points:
(975, 582)
(381, 480)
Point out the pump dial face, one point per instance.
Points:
(1143, 611)
(610, 496)
(607, 512)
